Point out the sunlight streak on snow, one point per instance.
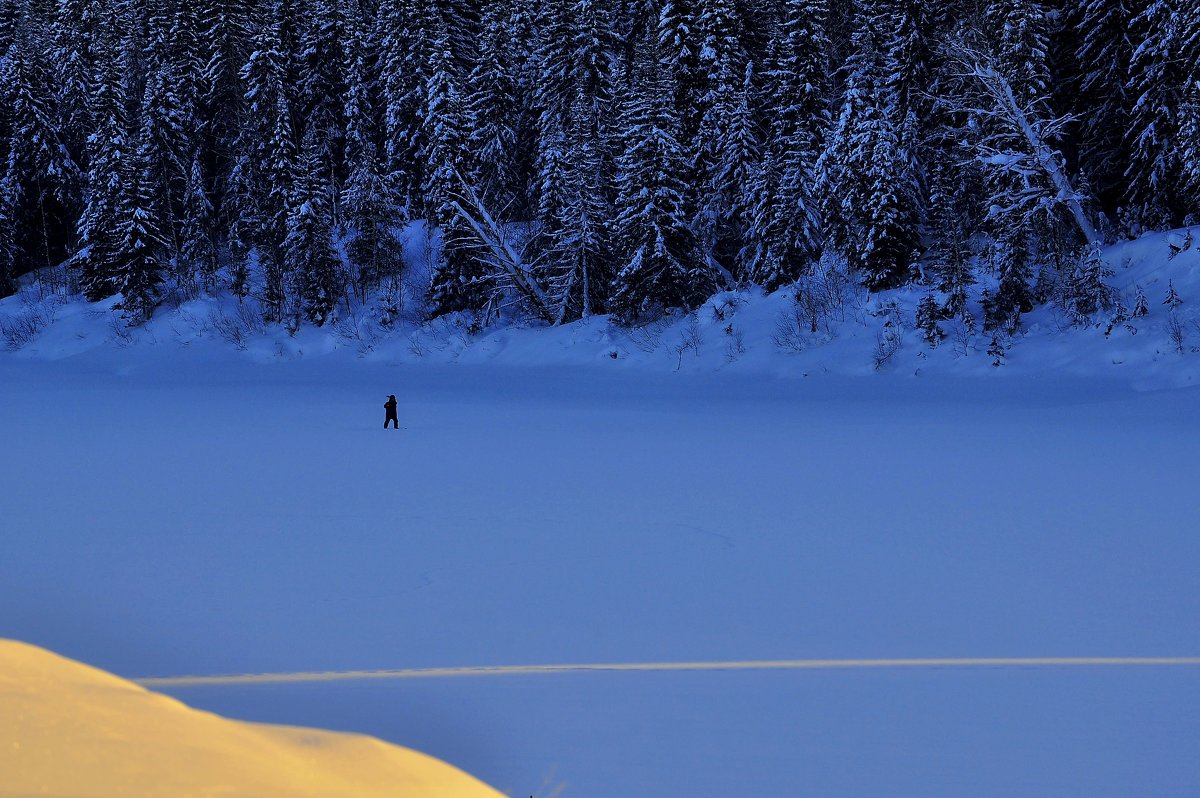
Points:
(749, 665)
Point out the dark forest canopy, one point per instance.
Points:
(646, 152)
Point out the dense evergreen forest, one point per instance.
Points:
(590, 156)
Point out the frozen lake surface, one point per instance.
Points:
(206, 515)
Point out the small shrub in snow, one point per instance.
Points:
(648, 337)
(890, 338)
(735, 346)
(357, 332)
(690, 341)
(791, 332)
(820, 300)
(416, 345)
(391, 306)
(122, 333)
(963, 334)
(25, 326)
(1176, 332)
(238, 328)
(726, 308)
(1179, 241)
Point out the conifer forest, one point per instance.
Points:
(577, 157)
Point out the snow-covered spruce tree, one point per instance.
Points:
(868, 186)
(680, 46)
(321, 62)
(727, 142)
(109, 152)
(1158, 74)
(491, 113)
(268, 147)
(460, 281)
(166, 141)
(138, 263)
(906, 29)
(223, 47)
(574, 250)
(660, 266)
(369, 210)
(1141, 307)
(679, 56)
(1096, 88)
(369, 202)
(784, 236)
(1172, 301)
(553, 70)
(1019, 36)
(40, 177)
(9, 17)
(197, 248)
(77, 31)
(402, 30)
(928, 315)
(308, 248)
(1189, 126)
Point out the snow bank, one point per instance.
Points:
(70, 730)
(743, 332)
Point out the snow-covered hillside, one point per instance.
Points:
(736, 332)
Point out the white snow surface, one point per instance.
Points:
(173, 506)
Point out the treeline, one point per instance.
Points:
(587, 156)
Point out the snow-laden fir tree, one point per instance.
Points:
(784, 236)
(402, 29)
(197, 248)
(1100, 92)
(574, 243)
(1157, 80)
(321, 61)
(108, 153)
(77, 29)
(869, 189)
(167, 137)
(732, 162)
(726, 146)
(138, 262)
(41, 179)
(268, 149)
(1189, 124)
(491, 113)
(460, 281)
(660, 265)
(308, 248)
(370, 204)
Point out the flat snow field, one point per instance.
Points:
(207, 515)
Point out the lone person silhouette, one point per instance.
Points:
(390, 407)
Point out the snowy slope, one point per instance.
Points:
(70, 731)
(739, 332)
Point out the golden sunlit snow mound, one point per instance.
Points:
(71, 731)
